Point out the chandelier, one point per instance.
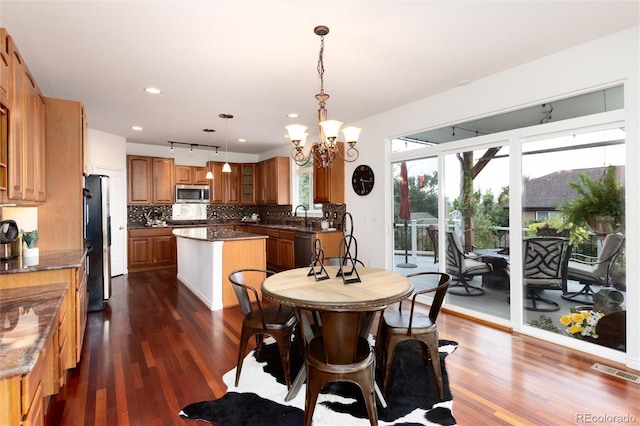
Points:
(326, 150)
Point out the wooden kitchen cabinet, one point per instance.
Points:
(286, 254)
(200, 176)
(280, 248)
(184, 175)
(151, 248)
(150, 180)
(60, 218)
(328, 183)
(247, 183)
(23, 396)
(225, 187)
(139, 180)
(163, 180)
(190, 175)
(215, 185)
(5, 74)
(273, 181)
(26, 137)
(231, 184)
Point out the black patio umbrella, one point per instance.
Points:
(404, 212)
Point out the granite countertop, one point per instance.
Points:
(215, 234)
(47, 260)
(26, 316)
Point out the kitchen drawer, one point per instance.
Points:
(150, 232)
(287, 235)
(273, 233)
(32, 382)
(35, 415)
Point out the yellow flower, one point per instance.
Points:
(575, 329)
(577, 317)
(565, 320)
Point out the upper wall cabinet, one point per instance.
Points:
(150, 180)
(5, 74)
(25, 144)
(328, 183)
(191, 175)
(273, 181)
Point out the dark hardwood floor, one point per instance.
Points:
(157, 348)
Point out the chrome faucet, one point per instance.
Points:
(295, 213)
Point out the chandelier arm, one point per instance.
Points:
(352, 151)
(299, 157)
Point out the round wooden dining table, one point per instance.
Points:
(294, 288)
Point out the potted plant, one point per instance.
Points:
(30, 239)
(599, 205)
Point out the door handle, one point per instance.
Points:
(121, 228)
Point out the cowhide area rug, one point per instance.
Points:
(412, 397)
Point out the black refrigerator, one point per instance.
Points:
(98, 240)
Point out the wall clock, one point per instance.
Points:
(362, 179)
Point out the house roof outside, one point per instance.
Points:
(552, 190)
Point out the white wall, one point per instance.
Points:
(182, 156)
(106, 150)
(612, 59)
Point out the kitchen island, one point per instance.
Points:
(206, 256)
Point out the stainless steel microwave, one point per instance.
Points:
(192, 194)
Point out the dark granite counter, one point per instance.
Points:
(48, 260)
(26, 317)
(215, 234)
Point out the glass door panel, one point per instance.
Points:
(415, 215)
(476, 198)
(558, 174)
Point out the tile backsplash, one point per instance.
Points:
(269, 214)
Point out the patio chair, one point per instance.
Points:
(398, 325)
(589, 270)
(278, 322)
(463, 266)
(545, 268)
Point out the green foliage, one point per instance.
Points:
(602, 197)
(30, 238)
(545, 323)
(421, 198)
(556, 225)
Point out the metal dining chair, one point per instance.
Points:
(278, 322)
(340, 354)
(397, 325)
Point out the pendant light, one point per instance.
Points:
(209, 175)
(226, 168)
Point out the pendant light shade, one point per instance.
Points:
(226, 168)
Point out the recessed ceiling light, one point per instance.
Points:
(242, 140)
(152, 90)
(136, 128)
(292, 115)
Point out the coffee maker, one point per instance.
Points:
(9, 241)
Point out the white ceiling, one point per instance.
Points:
(257, 59)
